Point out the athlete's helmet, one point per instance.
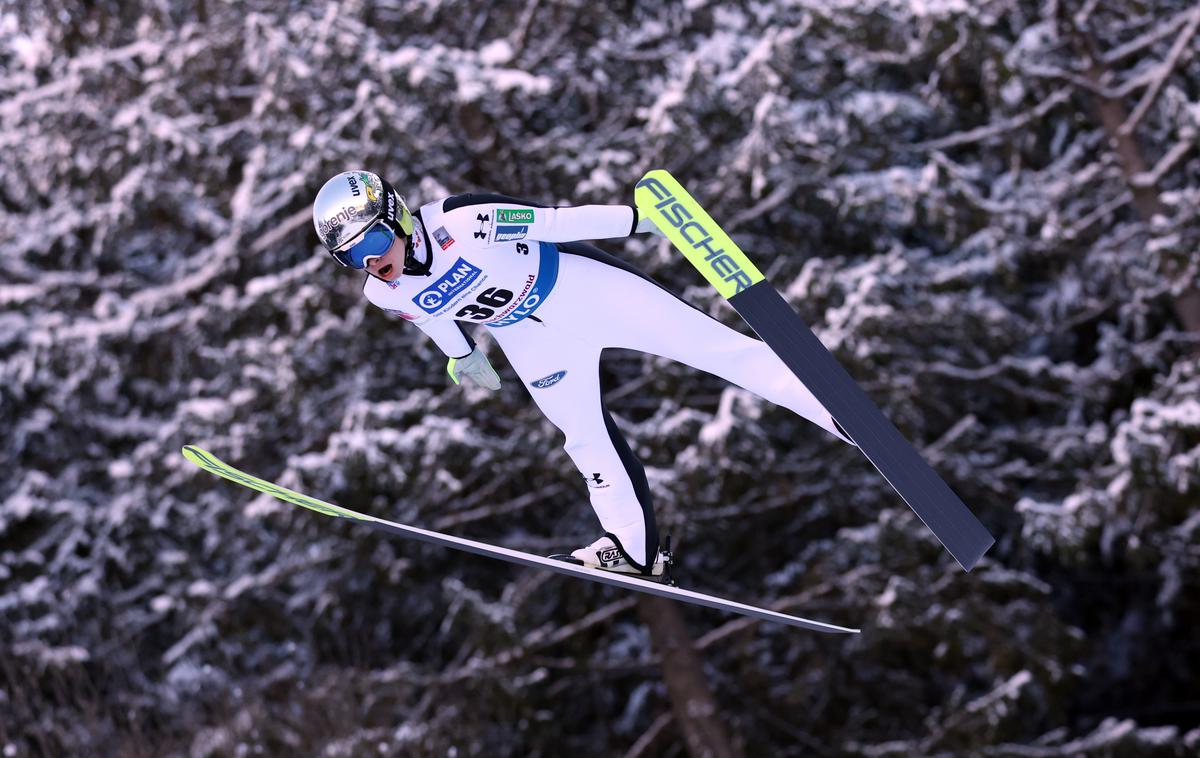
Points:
(353, 205)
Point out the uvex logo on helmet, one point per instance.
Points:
(353, 185)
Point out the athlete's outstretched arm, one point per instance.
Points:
(489, 220)
(584, 222)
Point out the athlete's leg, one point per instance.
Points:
(649, 318)
(560, 369)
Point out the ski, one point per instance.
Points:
(212, 464)
(702, 241)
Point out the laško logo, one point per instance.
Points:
(514, 215)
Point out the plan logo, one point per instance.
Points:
(550, 381)
(443, 237)
(510, 233)
(460, 276)
(514, 215)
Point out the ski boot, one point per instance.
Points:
(607, 554)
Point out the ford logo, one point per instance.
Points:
(548, 381)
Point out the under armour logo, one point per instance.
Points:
(594, 478)
(482, 218)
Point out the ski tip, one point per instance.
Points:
(194, 454)
(658, 173)
(707, 247)
(198, 456)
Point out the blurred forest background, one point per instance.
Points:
(989, 211)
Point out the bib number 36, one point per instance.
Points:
(490, 299)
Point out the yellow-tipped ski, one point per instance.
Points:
(695, 234)
(212, 463)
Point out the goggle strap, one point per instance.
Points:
(404, 223)
(412, 266)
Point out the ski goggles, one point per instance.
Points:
(373, 243)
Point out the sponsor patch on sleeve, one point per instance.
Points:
(510, 233)
(443, 237)
(514, 215)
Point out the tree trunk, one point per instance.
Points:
(1112, 114)
(692, 702)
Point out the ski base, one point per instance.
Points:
(212, 464)
(702, 241)
(893, 456)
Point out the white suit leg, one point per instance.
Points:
(652, 320)
(616, 481)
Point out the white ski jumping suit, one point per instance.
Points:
(553, 305)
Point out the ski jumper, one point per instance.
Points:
(553, 305)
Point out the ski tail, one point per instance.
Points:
(716, 256)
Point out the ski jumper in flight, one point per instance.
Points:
(553, 304)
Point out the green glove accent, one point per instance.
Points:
(474, 366)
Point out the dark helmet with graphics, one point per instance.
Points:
(358, 216)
